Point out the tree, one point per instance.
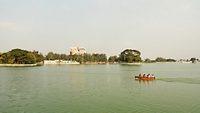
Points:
(113, 59)
(147, 60)
(160, 59)
(170, 60)
(1, 58)
(63, 57)
(50, 56)
(39, 56)
(130, 56)
(102, 58)
(30, 58)
(193, 60)
(18, 56)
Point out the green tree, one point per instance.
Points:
(63, 57)
(113, 59)
(130, 56)
(18, 56)
(50, 56)
(39, 56)
(30, 58)
(171, 60)
(1, 58)
(160, 59)
(102, 58)
(193, 60)
(147, 60)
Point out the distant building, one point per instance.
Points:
(60, 62)
(77, 51)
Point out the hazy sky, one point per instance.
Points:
(167, 28)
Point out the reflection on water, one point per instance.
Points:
(145, 82)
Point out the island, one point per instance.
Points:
(19, 57)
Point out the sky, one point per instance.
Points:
(157, 28)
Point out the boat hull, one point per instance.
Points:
(144, 78)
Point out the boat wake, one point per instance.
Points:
(182, 80)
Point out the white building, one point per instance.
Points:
(60, 62)
(77, 51)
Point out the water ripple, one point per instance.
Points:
(182, 80)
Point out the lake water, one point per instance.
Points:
(100, 89)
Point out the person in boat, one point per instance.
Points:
(140, 75)
(144, 75)
(153, 76)
(148, 76)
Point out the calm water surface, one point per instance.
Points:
(100, 89)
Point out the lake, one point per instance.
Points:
(100, 89)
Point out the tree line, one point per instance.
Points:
(159, 59)
(19, 56)
(127, 56)
(95, 57)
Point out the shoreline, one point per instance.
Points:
(90, 63)
(19, 65)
